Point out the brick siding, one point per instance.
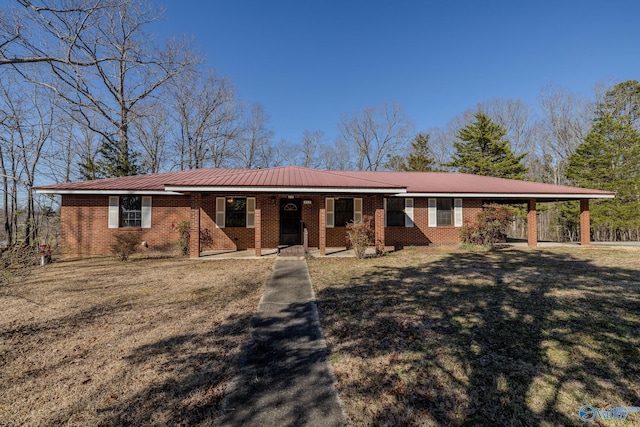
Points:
(84, 224)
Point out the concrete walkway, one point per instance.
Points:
(285, 378)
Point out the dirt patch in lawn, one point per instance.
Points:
(509, 337)
(146, 342)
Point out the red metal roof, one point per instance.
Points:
(304, 179)
(461, 183)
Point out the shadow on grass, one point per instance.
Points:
(193, 371)
(200, 366)
(502, 338)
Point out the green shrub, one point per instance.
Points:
(490, 227)
(125, 245)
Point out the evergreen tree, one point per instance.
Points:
(419, 159)
(483, 150)
(111, 163)
(609, 159)
(623, 103)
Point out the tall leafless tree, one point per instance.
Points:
(29, 112)
(103, 60)
(152, 133)
(254, 147)
(376, 134)
(208, 119)
(310, 148)
(565, 121)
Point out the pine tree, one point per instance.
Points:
(110, 163)
(115, 163)
(483, 150)
(609, 159)
(419, 159)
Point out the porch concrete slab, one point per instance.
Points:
(285, 378)
(246, 254)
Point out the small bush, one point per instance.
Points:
(360, 235)
(126, 244)
(490, 227)
(183, 228)
(17, 260)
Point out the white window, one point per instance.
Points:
(445, 212)
(237, 212)
(130, 211)
(343, 210)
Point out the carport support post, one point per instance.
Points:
(322, 222)
(585, 223)
(258, 227)
(379, 225)
(194, 228)
(532, 224)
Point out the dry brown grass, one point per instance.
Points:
(146, 342)
(509, 337)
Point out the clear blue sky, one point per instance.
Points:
(310, 61)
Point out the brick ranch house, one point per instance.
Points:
(264, 209)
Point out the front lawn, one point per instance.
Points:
(429, 336)
(145, 342)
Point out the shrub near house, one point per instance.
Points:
(489, 228)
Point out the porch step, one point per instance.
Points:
(296, 250)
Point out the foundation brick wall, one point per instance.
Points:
(84, 224)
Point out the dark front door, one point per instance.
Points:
(290, 221)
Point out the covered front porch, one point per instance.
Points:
(276, 221)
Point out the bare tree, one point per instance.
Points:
(151, 131)
(335, 157)
(517, 117)
(254, 147)
(564, 124)
(50, 31)
(376, 134)
(310, 147)
(208, 119)
(29, 112)
(103, 61)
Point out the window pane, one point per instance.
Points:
(445, 212)
(343, 211)
(236, 212)
(130, 211)
(395, 212)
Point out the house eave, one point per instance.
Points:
(109, 192)
(324, 190)
(513, 196)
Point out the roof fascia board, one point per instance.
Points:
(510, 195)
(355, 190)
(111, 192)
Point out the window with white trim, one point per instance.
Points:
(445, 212)
(130, 211)
(398, 212)
(235, 212)
(342, 210)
